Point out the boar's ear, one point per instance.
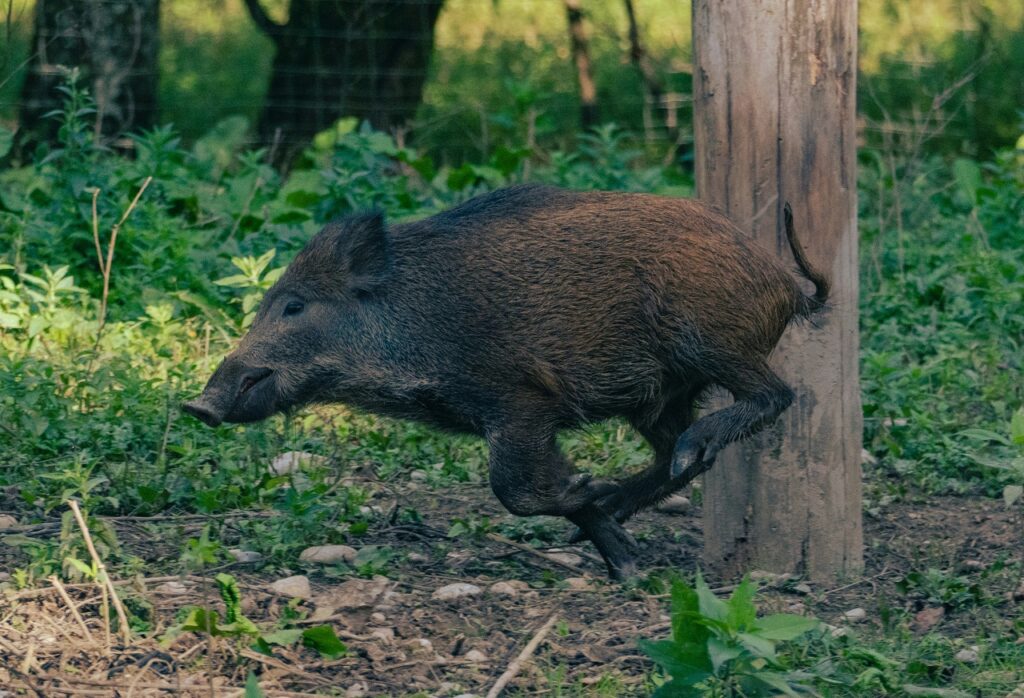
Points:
(365, 250)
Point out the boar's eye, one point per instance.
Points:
(293, 308)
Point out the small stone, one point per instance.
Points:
(385, 635)
(357, 690)
(7, 521)
(292, 462)
(855, 615)
(388, 600)
(802, 588)
(503, 589)
(328, 554)
(973, 565)
(321, 613)
(418, 558)
(566, 558)
(296, 586)
(378, 618)
(676, 504)
(476, 656)
(422, 644)
(579, 584)
(171, 589)
(798, 608)
(418, 476)
(244, 555)
(459, 590)
(766, 577)
(356, 593)
(968, 656)
(928, 618)
(836, 631)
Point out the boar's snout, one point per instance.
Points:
(203, 411)
(235, 393)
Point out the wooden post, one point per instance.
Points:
(774, 103)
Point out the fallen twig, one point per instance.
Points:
(101, 571)
(865, 580)
(517, 664)
(71, 605)
(533, 551)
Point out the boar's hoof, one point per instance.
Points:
(692, 456)
(615, 544)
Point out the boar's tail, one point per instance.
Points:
(816, 302)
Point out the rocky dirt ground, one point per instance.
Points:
(412, 633)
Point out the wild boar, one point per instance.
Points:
(527, 311)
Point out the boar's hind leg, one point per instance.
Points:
(654, 484)
(760, 396)
(530, 476)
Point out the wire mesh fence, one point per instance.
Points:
(460, 75)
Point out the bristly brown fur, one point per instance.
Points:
(529, 310)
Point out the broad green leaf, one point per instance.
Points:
(1017, 427)
(252, 687)
(742, 612)
(985, 435)
(283, 637)
(685, 611)
(711, 606)
(236, 280)
(200, 620)
(968, 177)
(87, 570)
(231, 595)
(758, 646)
(784, 626)
(688, 665)
(721, 653)
(323, 640)
(769, 684)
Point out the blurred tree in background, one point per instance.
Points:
(113, 43)
(936, 76)
(362, 58)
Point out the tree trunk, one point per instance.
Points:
(113, 44)
(581, 59)
(774, 90)
(361, 58)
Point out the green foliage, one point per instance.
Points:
(941, 287)
(721, 648)
(234, 624)
(938, 587)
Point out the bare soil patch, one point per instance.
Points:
(403, 641)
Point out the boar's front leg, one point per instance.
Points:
(531, 476)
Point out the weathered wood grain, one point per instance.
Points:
(774, 101)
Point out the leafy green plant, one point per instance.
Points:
(234, 624)
(1009, 456)
(721, 648)
(935, 586)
